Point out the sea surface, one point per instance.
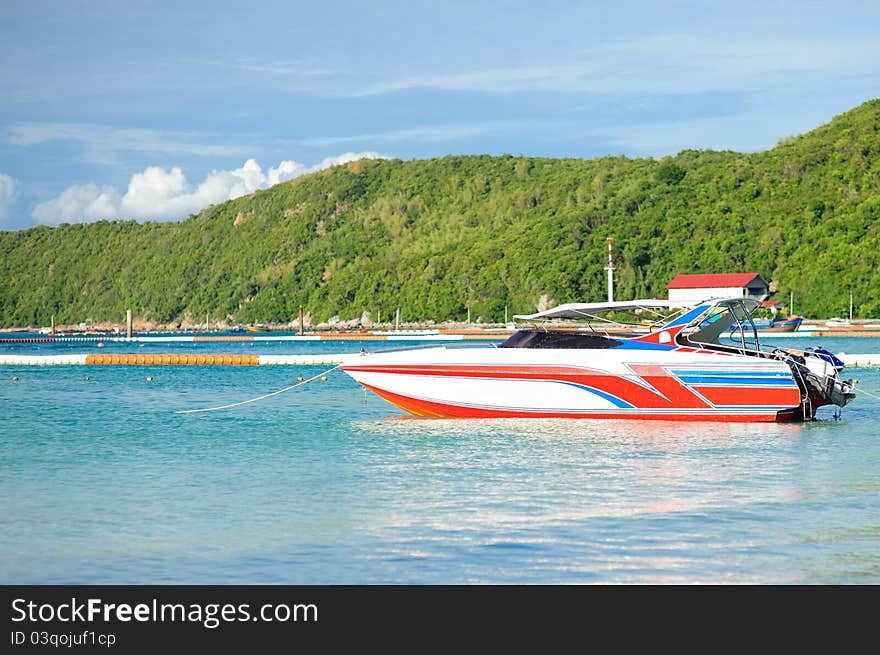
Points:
(103, 482)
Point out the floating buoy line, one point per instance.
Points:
(187, 359)
(191, 359)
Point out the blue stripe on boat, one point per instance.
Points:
(732, 374)
(687, 318)
(607, 396)
(643, 345)
(739, 381)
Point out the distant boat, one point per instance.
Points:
(256, 328)
(790, 324)
(837, 322)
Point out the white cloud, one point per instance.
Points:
(288, 170)
(674, 63)
(294, 68)
(77, 202)
(749, 130)
(428, 133)
(101, 139)
(158, 193)
(8, 193)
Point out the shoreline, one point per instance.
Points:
(353, 327)
(260, 328)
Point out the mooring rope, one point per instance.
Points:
(867, 393)
(294, 386)
(263, 397)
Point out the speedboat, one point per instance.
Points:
(700, 362)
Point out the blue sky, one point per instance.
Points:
(143, 110)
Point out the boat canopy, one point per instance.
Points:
(588, 309)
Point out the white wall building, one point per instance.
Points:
(699, 287)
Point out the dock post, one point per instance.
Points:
(301, 327)
(128, 323)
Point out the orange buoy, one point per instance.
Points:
(173, 358)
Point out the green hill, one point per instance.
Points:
(435, 236)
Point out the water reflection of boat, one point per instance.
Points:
(680, 370)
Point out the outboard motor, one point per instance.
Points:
(828, 356)
(817, 372)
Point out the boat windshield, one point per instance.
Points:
(728, 324)
(559, 339)
(724, 325)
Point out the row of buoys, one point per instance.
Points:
(865, 359)
(87, 378)
(223, 338)
(324, 336)
(28, 340)
(56, 339)
(301, 360)
(10, 359)
(149, 360)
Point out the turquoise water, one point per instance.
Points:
(102, 482)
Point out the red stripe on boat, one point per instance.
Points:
(428, 408)
(742, 396)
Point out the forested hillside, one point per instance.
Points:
(436, 236)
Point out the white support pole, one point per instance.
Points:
(610, 269)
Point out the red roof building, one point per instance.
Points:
(703, 286)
